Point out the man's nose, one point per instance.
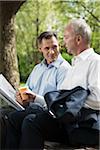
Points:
(51, 51)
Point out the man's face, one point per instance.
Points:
(70, 40)
(50, 49)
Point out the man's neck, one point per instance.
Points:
(80, 50)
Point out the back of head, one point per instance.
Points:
(80, 27)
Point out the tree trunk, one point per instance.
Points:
(8, 56)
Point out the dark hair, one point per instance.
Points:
(45, 35)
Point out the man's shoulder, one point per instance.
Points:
(64, 67)
(95, 57)
(36, 68)
(38, 65)
(94, 60)
(65, 64)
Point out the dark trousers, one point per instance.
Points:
(14, 124)
(4, 111)
(43, 127)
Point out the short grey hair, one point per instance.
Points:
(82, 28)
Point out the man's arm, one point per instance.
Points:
(93, 100)
(62, 73)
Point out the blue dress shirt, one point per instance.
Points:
(45, 78)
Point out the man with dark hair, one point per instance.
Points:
(46, 76)
(49, 74)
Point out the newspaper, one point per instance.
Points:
(7, 93)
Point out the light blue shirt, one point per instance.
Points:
(45, 78)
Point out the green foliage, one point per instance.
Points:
(67, 57)
(36, 16)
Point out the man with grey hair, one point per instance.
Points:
(81, 128)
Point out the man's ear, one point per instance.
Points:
(78, 39)
(39, 48)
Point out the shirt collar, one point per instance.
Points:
(83, 55)
(56, 63)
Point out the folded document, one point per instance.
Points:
(7, 93)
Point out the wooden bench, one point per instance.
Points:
(58, 146)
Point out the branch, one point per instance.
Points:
(77, 2)
(90, 12)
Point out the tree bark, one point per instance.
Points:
(8, 55)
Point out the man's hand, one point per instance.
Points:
(25, 96)
(19, 98)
